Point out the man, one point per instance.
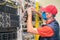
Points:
(51, 30)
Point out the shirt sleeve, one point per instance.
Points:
(45, 31)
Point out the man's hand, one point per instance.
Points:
(29, 11)
(37, 12)
(33, 9)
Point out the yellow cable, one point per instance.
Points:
(37, 20)
(14, 6)
(3, 3)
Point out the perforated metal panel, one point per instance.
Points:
(9, 21)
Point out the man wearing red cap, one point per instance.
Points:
(50, 31)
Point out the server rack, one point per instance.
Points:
(9, 22)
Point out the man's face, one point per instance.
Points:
(48, 15)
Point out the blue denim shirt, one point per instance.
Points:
(55, 26)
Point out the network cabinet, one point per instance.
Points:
(9, 22)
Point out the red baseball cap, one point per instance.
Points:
(51, 9)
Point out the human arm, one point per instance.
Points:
(45, 31)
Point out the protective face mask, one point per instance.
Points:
(44, 16)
